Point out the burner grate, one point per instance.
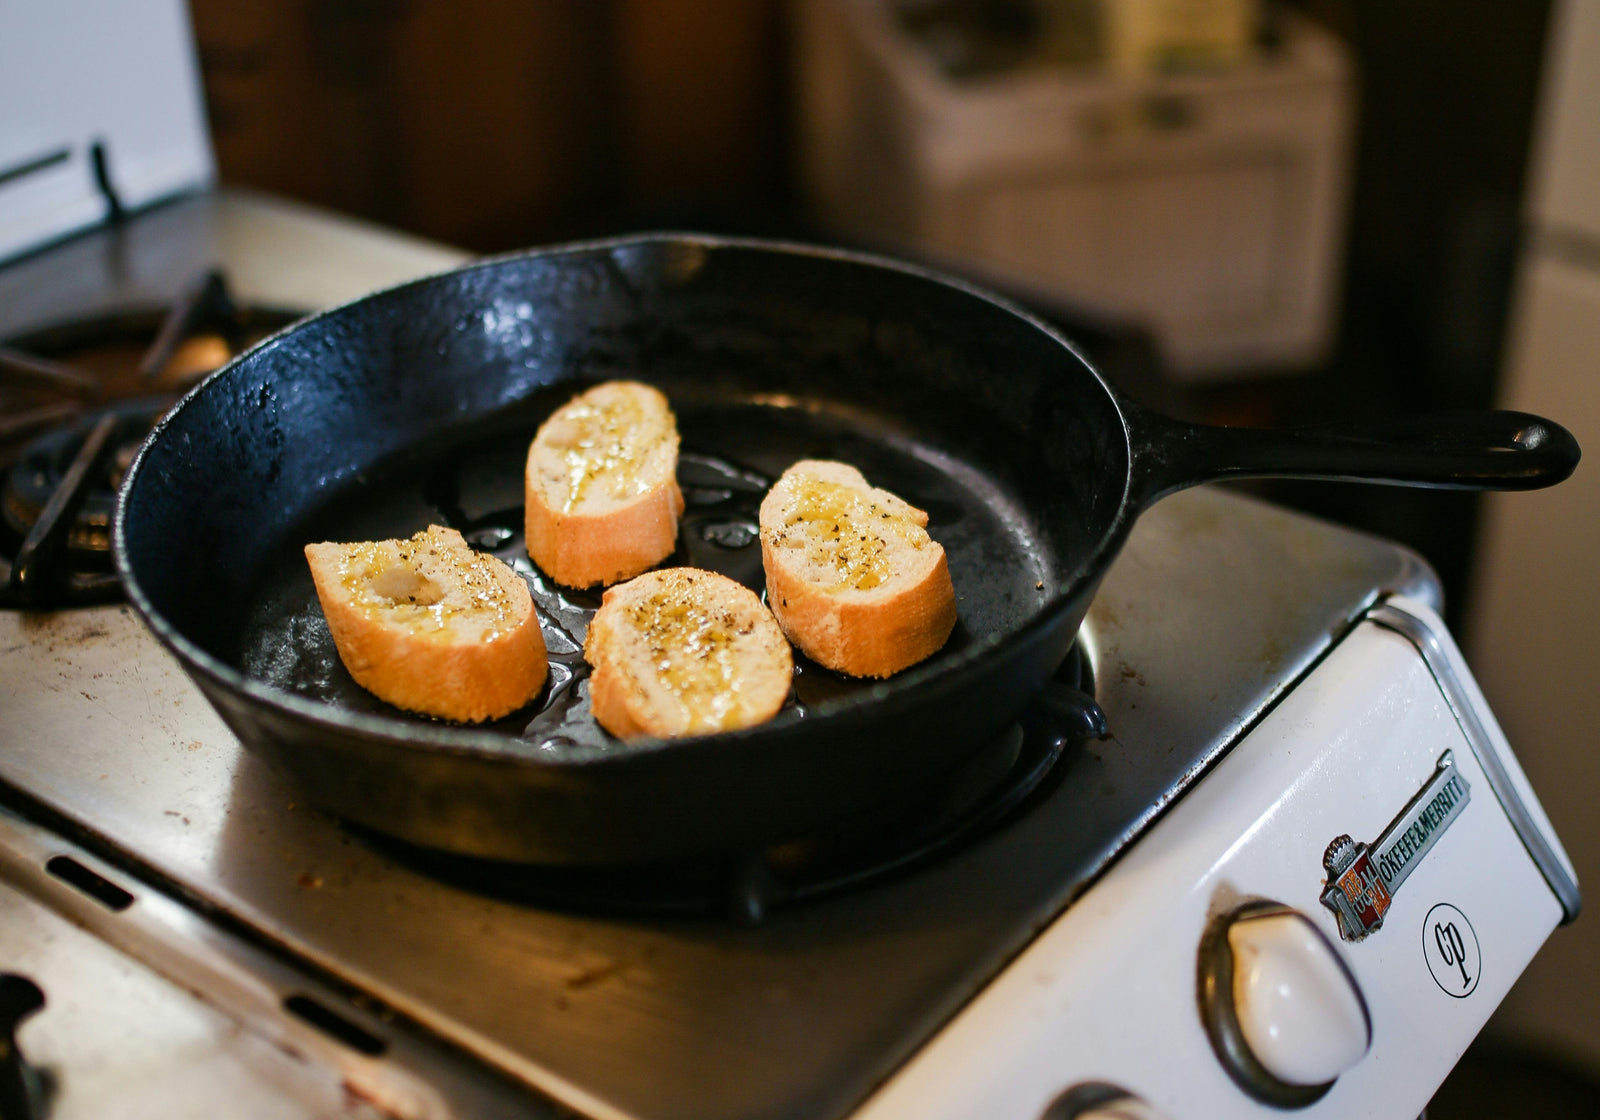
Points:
(76, 401)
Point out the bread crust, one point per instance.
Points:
(582, 541)
(875, 632)
(449, 670)
(682, 651)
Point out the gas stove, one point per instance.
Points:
(1286, 859)
(1295, 769)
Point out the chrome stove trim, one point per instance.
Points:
(405, 1074)
(1422, 635)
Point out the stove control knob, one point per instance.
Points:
(1284, 1013)
(1100, 1101)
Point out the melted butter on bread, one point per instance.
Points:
(403, 582)
(853, 577)
(682, 651)
(604, 438)
(601, 492)
(692, 646)
(843, 528)
(430, 625)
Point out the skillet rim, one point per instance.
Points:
(906, 690)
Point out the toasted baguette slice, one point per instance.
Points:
(430, 625)
(682, 651)
(852, 575)
(601, 486)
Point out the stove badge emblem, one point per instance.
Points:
(1355, 892)
(1362, 879)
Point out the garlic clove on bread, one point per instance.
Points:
(602, 497)
(681, 651)
(430, 625)
(853, 577)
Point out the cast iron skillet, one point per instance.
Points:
(416, 405)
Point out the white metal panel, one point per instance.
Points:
(75, 72)
(1044, 180)
(1565, 193)
(1189, 243)
(1109, 992)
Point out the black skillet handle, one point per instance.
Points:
(1448, 451)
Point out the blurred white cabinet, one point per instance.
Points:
(1565, 192)
(1210, 206)
(1534, 634)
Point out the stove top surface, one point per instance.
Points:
(1217, 604)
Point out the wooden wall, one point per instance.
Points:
(499, 123)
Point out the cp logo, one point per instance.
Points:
(1451, 948)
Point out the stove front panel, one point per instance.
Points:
(1110, 995)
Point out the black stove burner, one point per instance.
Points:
(76, 401)
(994, 784)
(71, 540)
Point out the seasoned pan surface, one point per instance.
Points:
(734, 447)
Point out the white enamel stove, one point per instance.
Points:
(1148, 938)
(1205, 975)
